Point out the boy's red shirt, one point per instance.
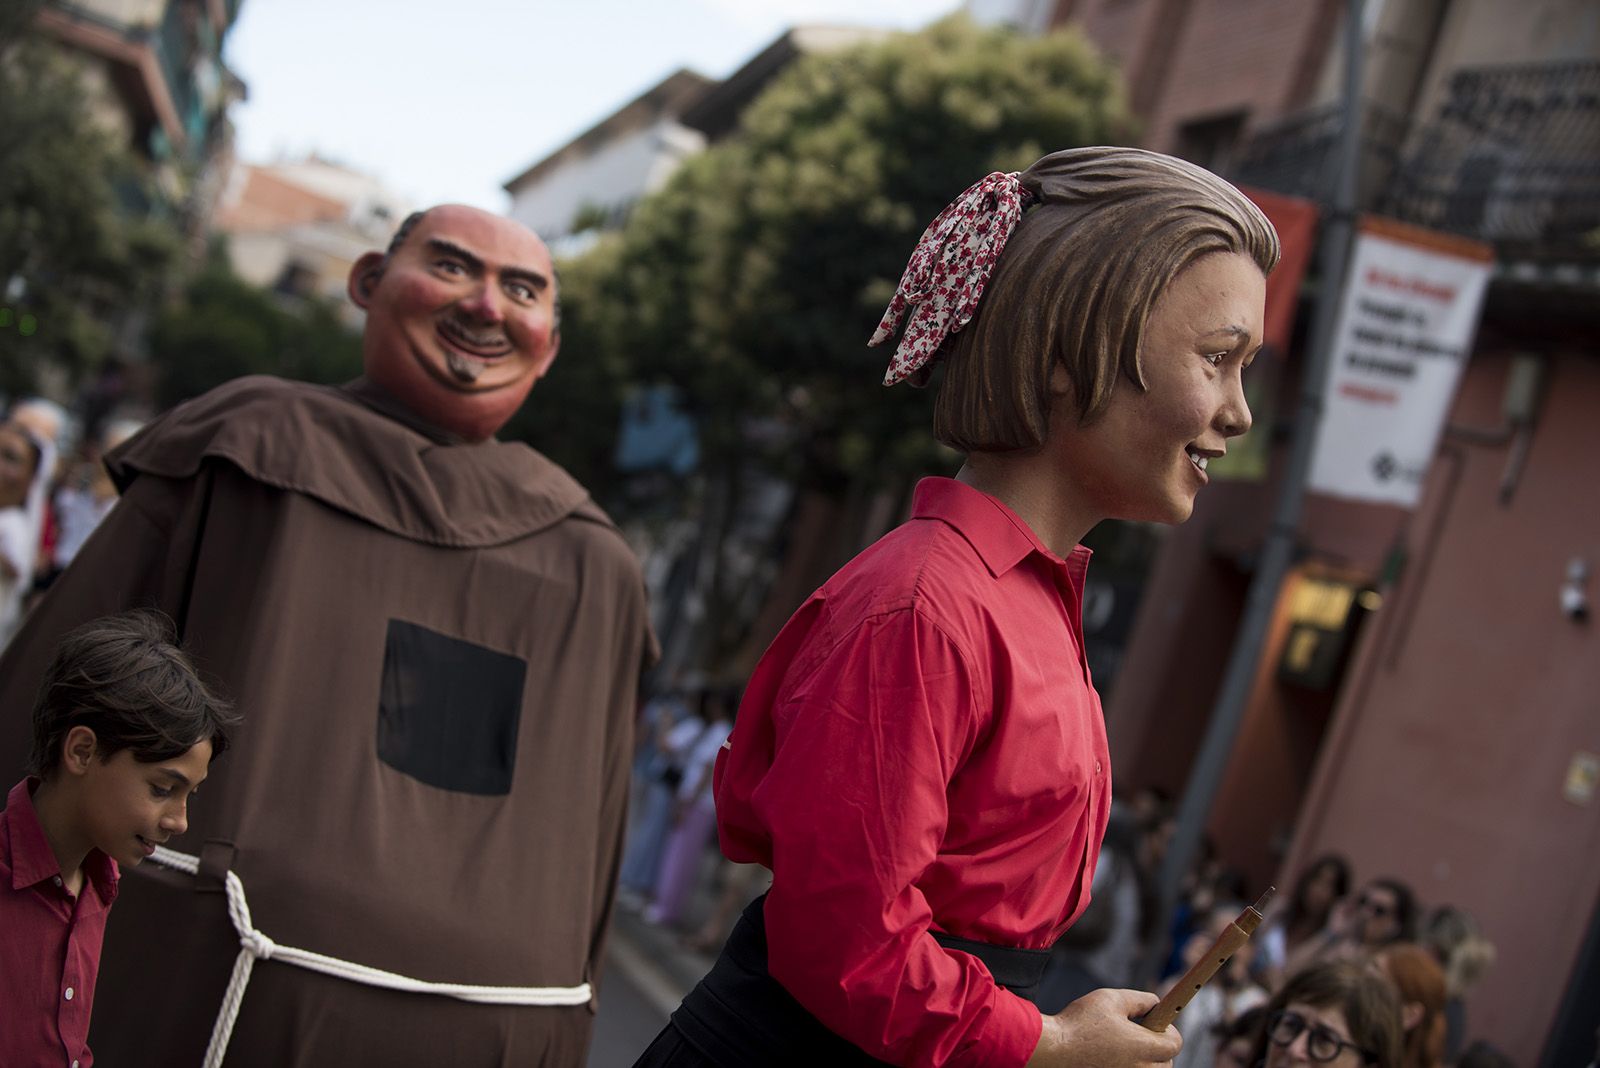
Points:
(50, 952)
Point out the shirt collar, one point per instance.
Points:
(32, 859)
(998, 535)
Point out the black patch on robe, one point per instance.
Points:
(448, 710)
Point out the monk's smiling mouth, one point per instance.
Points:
(468, 353)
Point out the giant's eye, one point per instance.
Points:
(1215, 358)
(520, 290)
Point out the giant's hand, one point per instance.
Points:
(1097, 1031)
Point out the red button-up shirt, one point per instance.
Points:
(921, 748)
(49, 942)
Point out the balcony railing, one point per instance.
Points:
(1296, 155)
(1512, 158)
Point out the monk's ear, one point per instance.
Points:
(364, 276)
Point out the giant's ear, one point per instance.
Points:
(1411, 1014)
(364, 276)
(78, 749)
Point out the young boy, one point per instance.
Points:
(124, 729)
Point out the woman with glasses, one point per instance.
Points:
(1339, 1014)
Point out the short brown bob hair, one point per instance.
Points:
(1108, 230)
(126, 678)
(1369, 1002)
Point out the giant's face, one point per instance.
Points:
(461, 321)
(1144, 457)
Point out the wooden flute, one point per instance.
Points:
(1227, 944)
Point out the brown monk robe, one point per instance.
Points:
(435, 641)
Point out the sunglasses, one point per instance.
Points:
(1322, 1043)
(1374, 906)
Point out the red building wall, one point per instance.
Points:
(1191, 60)
(1460, 720)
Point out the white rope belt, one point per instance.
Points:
(254, 945)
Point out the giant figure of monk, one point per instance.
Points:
(435, 639)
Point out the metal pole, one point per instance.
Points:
(1279, 545)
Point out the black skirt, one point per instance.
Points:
(739, 1016)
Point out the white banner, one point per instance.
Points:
(1406, 323)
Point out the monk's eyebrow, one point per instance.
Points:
(1238, 333)
(536, 279)
(527, 274)
(450, 248)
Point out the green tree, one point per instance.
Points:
(224, 328)
(572, 414)
(753, 279)
(80, 259)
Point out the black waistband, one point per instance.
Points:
(739, 1015)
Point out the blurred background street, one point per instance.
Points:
(1364, 671)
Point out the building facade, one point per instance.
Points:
(296, 227)
(153, 76)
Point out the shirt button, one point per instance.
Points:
(69, 993)
(58, 881)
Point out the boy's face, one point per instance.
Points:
(1144, 457)
(128, 808)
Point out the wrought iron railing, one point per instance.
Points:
(1512, 158)
(1296, 154)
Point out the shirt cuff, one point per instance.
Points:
(1011, 1033)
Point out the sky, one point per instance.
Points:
(445, 101)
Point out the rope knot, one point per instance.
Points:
(260, 946)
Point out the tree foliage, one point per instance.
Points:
(79, 254)
(754, 278)
(573, 412)
(224, 328)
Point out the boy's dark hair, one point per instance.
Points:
(125, 678)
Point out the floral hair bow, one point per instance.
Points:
(948, 270)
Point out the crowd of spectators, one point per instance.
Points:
(1333, 960)
(54, 491)
(1342, 971)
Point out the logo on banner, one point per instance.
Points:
(1406, 323)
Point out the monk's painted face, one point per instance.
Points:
(461, 320)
